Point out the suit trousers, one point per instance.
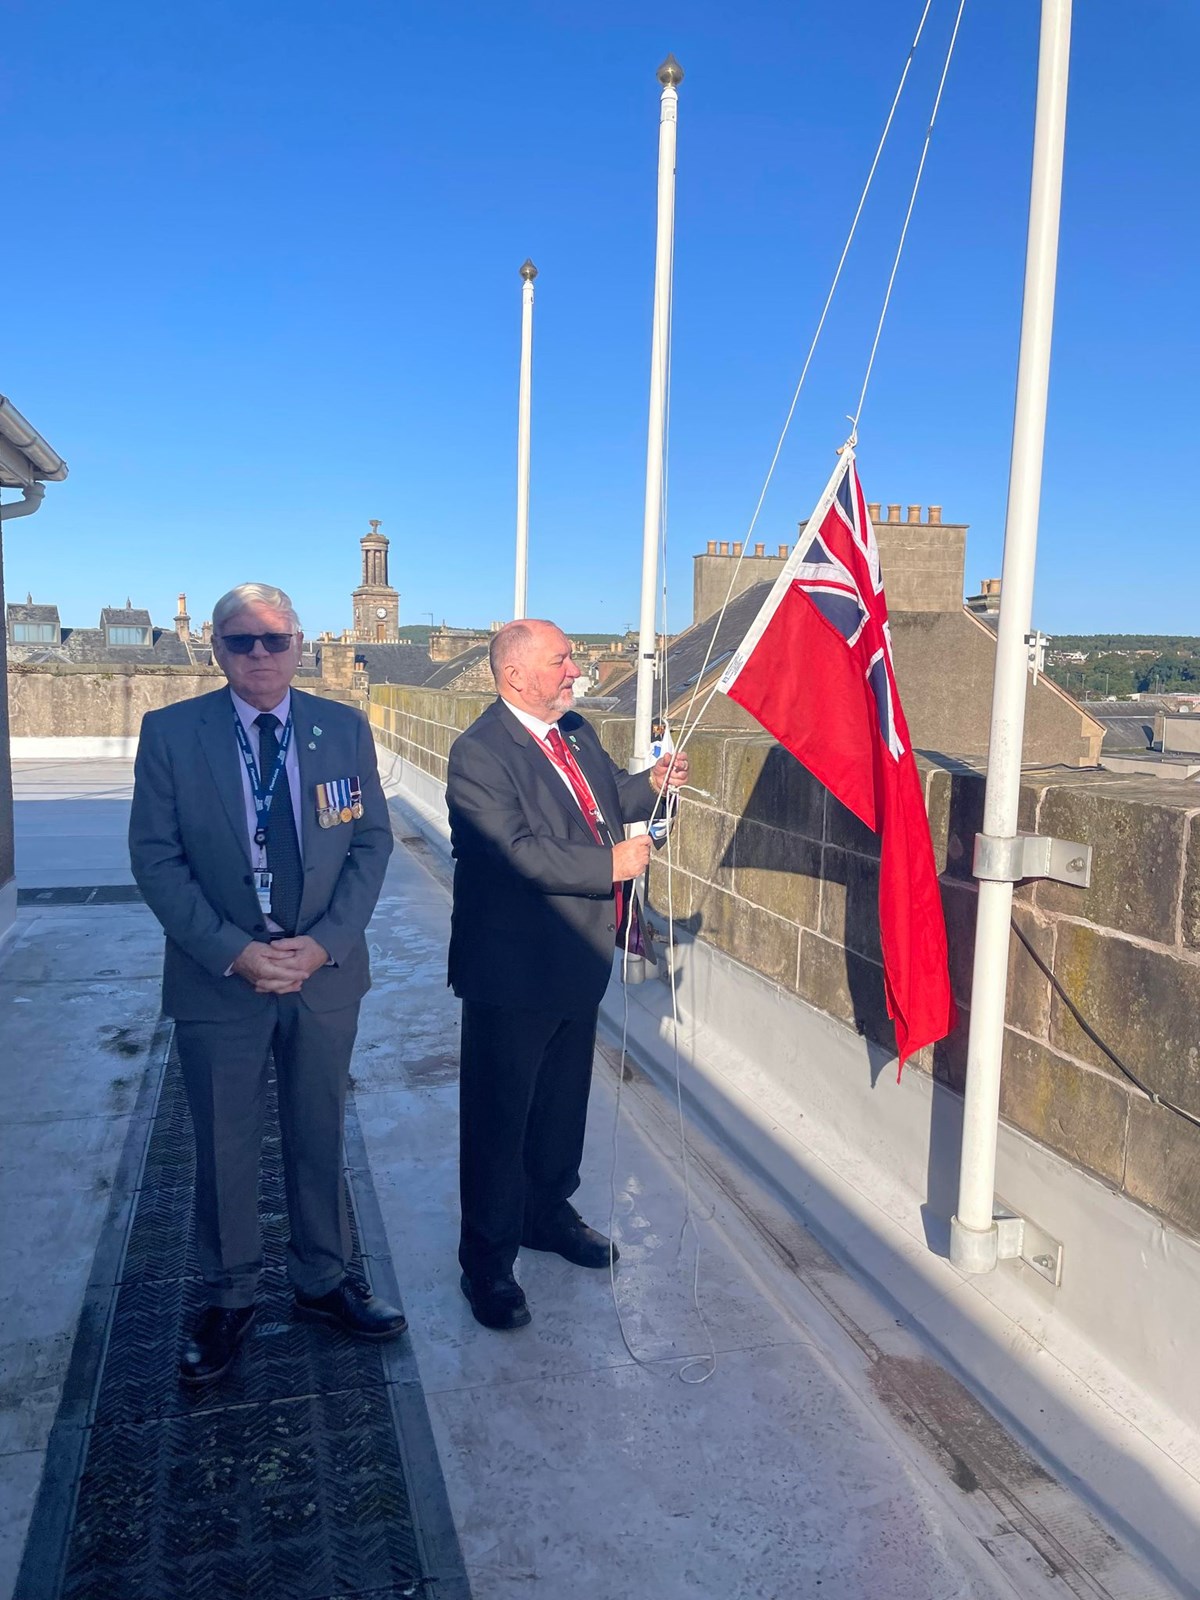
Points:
(225, 1075)
(524, 1080)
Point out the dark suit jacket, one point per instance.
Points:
(533, 924)
(191, 856)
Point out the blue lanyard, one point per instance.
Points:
(262, 797)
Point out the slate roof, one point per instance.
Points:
(1128, 725)
(395, 663)
(686, 652)
(33, 613)
(445, 672)
(88, 646)
(124, 617)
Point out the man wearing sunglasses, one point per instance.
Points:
(259, 837)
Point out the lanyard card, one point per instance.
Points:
(262, 889)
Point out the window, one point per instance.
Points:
(127, 636)
(34, 633)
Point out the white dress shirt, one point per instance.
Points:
(541, 732)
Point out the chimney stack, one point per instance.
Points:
(737, 549)
(712, 547)
(935, 516)
(783, 550)
(873, 510)
(914, 514)
(724, 547)
(183, 623)
(760, 549)
(893, 514)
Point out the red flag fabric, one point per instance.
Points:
(816, 670)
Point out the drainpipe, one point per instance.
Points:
(32, 495)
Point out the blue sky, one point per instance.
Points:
(261, 276)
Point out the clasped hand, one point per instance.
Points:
(281, 967)
(671, 770)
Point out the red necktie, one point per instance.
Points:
(569, 767)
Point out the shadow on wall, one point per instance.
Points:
(821, 869)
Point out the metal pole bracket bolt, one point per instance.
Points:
(1032, 855)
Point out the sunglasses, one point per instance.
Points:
(241, 644)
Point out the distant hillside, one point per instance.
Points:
(1124, 663)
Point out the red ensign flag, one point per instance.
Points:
(816, 670)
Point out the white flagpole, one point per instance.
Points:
(520, 595)
(973, 1237)
(670, 75)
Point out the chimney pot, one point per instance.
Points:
(737, 549)
(783, 550)
(760, 549)
(935, 515)
(914, 513)
(712, 547)
(724, 547)
(893, 514)
(873, 510)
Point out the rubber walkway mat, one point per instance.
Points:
(285, 1481)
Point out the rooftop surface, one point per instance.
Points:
(824, 1452)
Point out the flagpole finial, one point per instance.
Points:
(528, 271)
(670, 73)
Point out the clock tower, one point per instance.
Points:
(376, 603)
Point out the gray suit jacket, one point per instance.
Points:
(191, 856)
(533, 924)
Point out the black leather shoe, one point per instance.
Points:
(497, 1302)
(353, 1308)
(572, 1239)
(208, 1354)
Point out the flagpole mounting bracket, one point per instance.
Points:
(1032, 855)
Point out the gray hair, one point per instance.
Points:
(246, 594)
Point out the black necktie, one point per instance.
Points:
(283, 848)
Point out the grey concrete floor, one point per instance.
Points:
(575, 1465)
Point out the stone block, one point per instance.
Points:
(1191, 887)
(754, 937)
(1161, 1169)
(702, 843)
(1137, 862)
(706, 761)
(1144, 1003)
(764, 782)
(960, 902)
(846, 985)
(954, 801)
(777, 870)
(1028, 990)
(850, 901)
(1080, 1113)
(616, 735)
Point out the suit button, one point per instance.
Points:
(246, 879)
(612, 927)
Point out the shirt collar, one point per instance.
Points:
(247, 713)
(539, 729)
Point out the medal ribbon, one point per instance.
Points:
(262, 796)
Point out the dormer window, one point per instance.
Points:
(115, 635)
(34, 633)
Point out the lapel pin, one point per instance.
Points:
(312, 743)
(317, 732)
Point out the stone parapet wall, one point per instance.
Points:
(769, 868)
(59, 700)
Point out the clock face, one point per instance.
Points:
(381, 612)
